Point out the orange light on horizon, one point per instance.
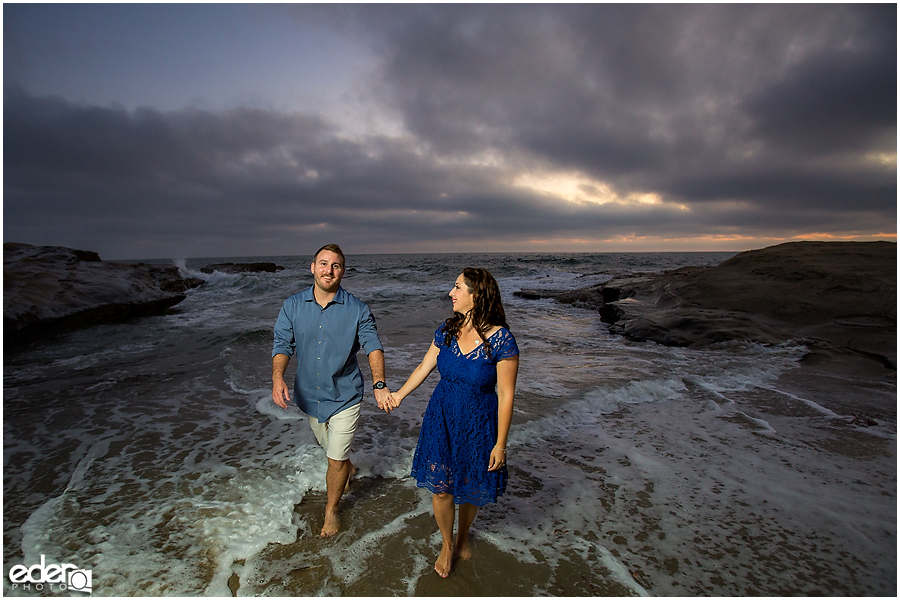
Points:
(712, 242)
(848, 237)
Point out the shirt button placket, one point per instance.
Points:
(321, 332)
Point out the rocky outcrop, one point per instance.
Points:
(46, 288)
(235, 268)
(841, 295)
(593, 297)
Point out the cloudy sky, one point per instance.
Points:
(166, 131)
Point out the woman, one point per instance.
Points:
(461, 454)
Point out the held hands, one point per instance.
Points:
(498, 459)
(386, 401)
(282, 397)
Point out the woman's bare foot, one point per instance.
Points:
(332, 524)
(444, 562)
(462, 550)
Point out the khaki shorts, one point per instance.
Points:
(336, 433)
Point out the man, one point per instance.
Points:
(326, 325)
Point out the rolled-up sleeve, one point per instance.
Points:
(284, 330)
(367, 332)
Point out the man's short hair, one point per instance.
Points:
(331, 248)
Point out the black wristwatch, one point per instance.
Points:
(378, 385)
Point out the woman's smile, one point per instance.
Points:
(461, 297)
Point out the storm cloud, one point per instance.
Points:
(522, 127)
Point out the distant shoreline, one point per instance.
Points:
(260, 257)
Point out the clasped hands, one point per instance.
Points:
(386, 400)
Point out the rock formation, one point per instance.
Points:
(839, 295)
(46, 288)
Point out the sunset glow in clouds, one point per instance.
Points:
(153, 131)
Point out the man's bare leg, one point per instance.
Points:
(336, 482)
(350, 476)
(444, 514)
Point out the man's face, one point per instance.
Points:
(328, 271)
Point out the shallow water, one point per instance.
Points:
(151, 453)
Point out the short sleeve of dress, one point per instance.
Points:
(439, 336)
(504, 347)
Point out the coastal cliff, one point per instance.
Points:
(832, 296)
(47, 288)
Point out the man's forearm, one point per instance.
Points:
(279, 366)
(376, 364)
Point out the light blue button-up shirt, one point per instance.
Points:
(326, 341)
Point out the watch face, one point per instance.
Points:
(379, 385)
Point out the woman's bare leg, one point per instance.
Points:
(467, 514)
(444, 514)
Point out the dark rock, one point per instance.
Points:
(169, 279)
(610, 313)
(863, 421)
(589, 297)
(839, 295)
(46, 288)
(610, 294)
(535, 294)
(235, 268)
(82, 255)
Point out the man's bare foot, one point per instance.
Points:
(332, 524)
(444, 562)
(462, 550)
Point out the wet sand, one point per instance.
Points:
(719, 530)
(307, 566)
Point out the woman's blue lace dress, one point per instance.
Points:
(459, 429)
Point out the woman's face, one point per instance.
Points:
(463, 301)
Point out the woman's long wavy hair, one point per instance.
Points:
(488, 309)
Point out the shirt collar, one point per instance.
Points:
(339, 298)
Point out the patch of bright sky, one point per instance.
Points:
(578, 188)
(174, 56)
(882, 158)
